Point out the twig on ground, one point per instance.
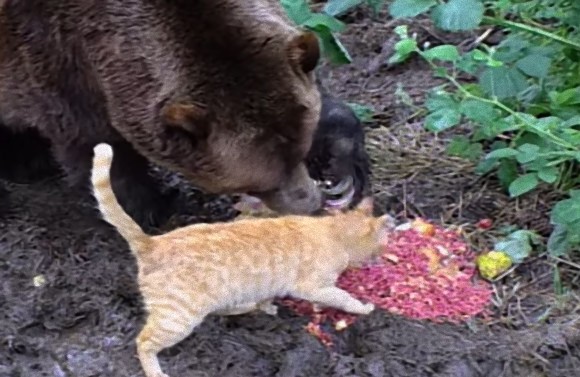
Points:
(569, 263)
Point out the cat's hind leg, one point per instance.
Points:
(266, 306)
(336, 298)
(237, 310)
(163, 329)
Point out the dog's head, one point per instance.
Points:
(338, 159)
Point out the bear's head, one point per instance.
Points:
(249, 125)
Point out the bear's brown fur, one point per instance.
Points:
(222, 91)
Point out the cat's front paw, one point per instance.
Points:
(269, 308)
(367, 308)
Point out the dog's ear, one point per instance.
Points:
(189, 116)
(304, 51)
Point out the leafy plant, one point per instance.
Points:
(363, 112)
(323, 24)
(523, 104)
(518, 245)
(326, 25)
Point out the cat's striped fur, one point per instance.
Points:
(227, 268)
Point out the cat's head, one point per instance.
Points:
(364, 235)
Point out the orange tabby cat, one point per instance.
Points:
(236, 267)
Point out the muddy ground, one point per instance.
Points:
(80, 318)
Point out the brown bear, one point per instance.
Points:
(222, 91)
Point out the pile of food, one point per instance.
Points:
(425, 272)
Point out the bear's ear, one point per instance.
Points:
(188, 116)
(304, 51)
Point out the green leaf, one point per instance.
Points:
(485, 166)
(499, 126)
(363, 112)
(409, 8)
(460, 146)
(549, 174)
(574, 121)
(439, 72)
(567, 97)
(525, 235)
(479, 55)
(338, 7)
(321, 19)
(447, 53)
(566, 211)
(376, 5)
(502, 82)
(511, 49)
(478, 111)
(502, 153)
(493, 63)
(457, 15)
(467, 64)
(402, 31)
(517, 250)
(523, 184)
(527, 153)
(545, 50)
(297, 10)
(558, 243)
(331, 46)
(441, 120)
(518, 245)
(406, 46)
(574, 194)
(535, 65)
(548, 123)
(439, 101)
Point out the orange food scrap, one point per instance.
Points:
(434, 258)
(423, 227)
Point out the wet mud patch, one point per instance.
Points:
(70, 308)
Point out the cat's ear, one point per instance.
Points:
(188, 116)
(387, 222)
(386, 227)
(366, 206)
(304, 51)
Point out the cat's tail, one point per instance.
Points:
(110, 208)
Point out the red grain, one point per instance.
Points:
(404, 283)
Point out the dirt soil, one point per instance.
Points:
(69, 306)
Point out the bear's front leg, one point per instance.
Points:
(137, 192)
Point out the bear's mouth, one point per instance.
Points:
(339, 194)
